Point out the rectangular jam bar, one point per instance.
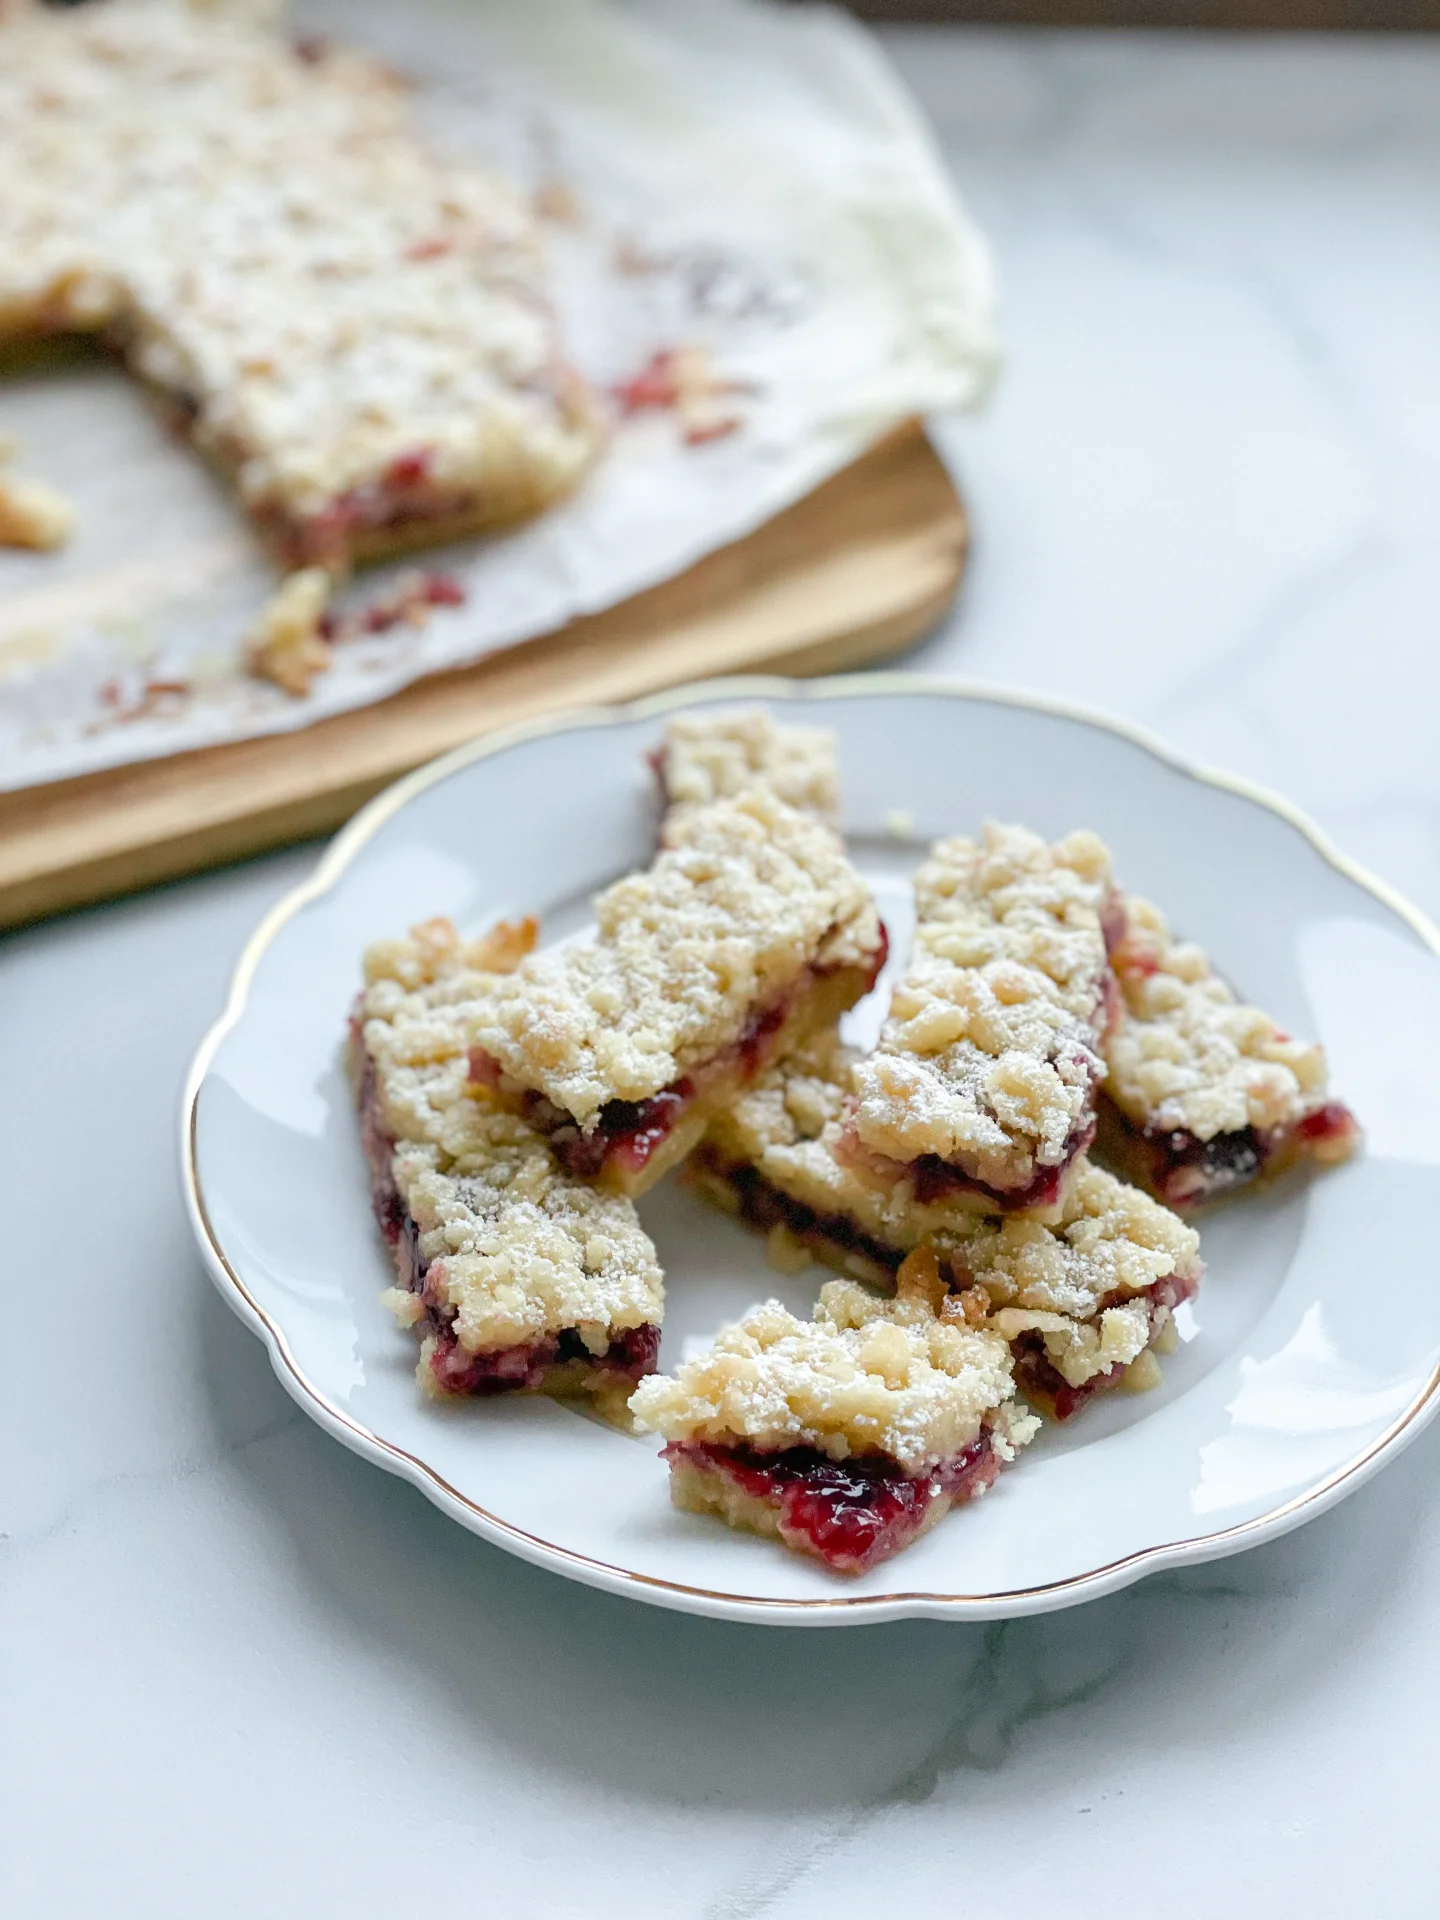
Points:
(1083, 1301)
(983, 1084)
(845, 1436)
(520, 1278)
(1205, 1095)
(355, 330)
(715, 756)
(747, 934)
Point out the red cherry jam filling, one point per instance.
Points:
(630, 1356)
(1185, 1171)
(763, 1206)
(627, 1131)
(934, 1178)
(407, 490)
(853, 1513)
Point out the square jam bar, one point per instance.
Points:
(1084, 1301)
(354, 329)
(845, 1436)
(747, 934)
(715, 756)
(1205, 1095)
(519, 1277)
(983, 1084)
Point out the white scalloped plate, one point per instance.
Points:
(1290, 1388)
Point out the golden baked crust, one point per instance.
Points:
(752, 900)
(1078, 1282)
(988, 1059)
(1184, 1053)
(864, 1377)
(715, 756)
(356, 328)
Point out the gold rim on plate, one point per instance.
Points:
(601, 1573)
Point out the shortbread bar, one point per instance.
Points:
(749, 933)
(355, 330)
(715, 756)
(983, 1084)
(1205, 1095)
(520, 1278)
(845, 1436)
(1084, 1303)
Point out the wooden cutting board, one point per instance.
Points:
(854, 572)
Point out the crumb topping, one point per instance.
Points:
(1070, 1281)
(750, 899)
(362, 318)
(286, 644)
(714, 756)
(1186, 1054)
(517, 1249)
(34, 514)
(865, 1376)
(434, 951)
(419, 993)
(988, 1058)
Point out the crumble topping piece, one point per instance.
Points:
(984, 1078)
(33, 514)
(714, 756)
(287, 644)
(686, 381)
(412, 1020)
(845, 1436)
(1208, 1094)
(355, 329)
(745, 935)
(1079, 1300)
(518, 1276)
(434, 951)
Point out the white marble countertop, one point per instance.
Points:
(248, 1675)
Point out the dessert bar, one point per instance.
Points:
(845, 1436)
(983, 1085)
(1205, 1095)
(715, 756)
(355, 330)
(519, 1277)
(1083, 1302)
(750, 932)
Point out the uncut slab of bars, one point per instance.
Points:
(356, 331)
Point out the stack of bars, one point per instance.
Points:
(515, 1103)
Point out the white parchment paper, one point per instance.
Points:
(733, 176)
